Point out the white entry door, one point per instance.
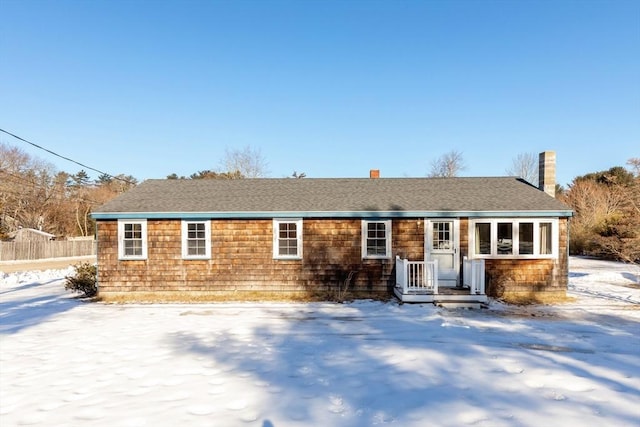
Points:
(441, 243)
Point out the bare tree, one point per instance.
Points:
(634, 162)
(25, 189)
(248, 161)
(13, 159)
(525, 165)
(606, 218)
(620, 236)
(448, 165)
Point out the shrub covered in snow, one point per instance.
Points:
(84, 280)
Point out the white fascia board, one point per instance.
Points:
(325, 214)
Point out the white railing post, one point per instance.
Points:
(480, 277)
(474, 276)
(405, 275)
(428, 275)
(466, 272)
(401, 273)
(435, 276)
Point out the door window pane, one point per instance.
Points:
(441, 235)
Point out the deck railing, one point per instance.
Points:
(473, 275)
(417, 276)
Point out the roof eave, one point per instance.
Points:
(331, 214)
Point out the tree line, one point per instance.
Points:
(33, 194)
(606, 207)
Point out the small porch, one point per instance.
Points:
(417, 281)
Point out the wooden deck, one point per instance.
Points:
(417, 281)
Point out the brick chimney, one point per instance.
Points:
(547, 172)
(374, 173)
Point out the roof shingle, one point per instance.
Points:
(328, 195)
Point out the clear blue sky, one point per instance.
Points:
(329, 88)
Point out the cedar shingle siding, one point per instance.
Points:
(242, 264)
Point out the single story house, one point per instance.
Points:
(422, 239)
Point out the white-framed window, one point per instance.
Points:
(196, 239)
(376, 239)
(287, 238)
(513, 238)
(132, 239)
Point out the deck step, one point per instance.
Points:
(459, 304)
(449, 300)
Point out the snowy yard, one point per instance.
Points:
(65, 362)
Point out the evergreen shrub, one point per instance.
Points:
(84, 280)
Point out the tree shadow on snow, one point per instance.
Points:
(319, 365)
(26, 286)
(635, 278)
(18, 313)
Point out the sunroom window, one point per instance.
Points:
(546, 233)
(525, 238)
(483, 238)
(505, 238)
(530, 238)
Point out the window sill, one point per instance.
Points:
(513, 256)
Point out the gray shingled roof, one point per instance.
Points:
(498, 194)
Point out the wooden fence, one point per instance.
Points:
(13, 251)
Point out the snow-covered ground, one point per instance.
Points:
(65, 362)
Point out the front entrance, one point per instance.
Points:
(442, 243)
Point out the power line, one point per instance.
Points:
(66, 158)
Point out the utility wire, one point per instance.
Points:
(68, 159)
